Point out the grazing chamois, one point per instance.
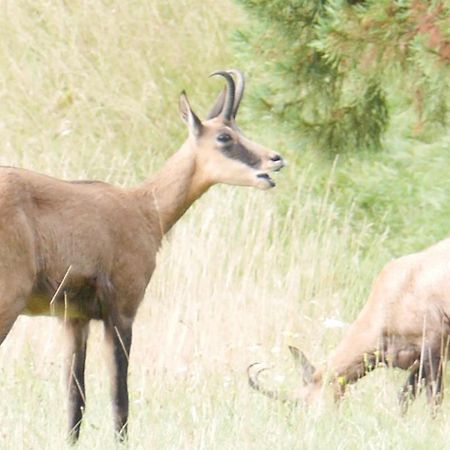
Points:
(86, 250)
(405, 323)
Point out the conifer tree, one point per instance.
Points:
(337, 69)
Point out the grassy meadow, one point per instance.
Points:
(90, 90)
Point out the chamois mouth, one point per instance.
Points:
(279, 167)
(266, 177)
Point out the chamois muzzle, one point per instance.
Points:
(274, 163)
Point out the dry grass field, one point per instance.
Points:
(90, 90)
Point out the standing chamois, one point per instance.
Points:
(405, 323)
(86, 250)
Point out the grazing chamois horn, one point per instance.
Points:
(253, 372)
(228, 107)
(307, 371)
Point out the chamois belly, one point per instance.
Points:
(401, 352)
(81, 300)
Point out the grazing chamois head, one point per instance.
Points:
(405, 324)
(222, 153)
(86, 251)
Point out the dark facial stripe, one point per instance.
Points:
(239, 152)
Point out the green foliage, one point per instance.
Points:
(403, 191)
(334, 68)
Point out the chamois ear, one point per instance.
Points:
(189, 117)
(307, 368)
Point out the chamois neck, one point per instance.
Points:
(169, 192)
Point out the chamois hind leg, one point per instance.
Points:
(429, 373)
(7, 319)
(77, 333)
(12, 303)
(433, 374)
(410, 389)
(17, 266)
(119, 335)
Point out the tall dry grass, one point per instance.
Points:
(235, 282)
(89, 89)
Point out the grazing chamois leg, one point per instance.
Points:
(428, 373)
(355, 356)
(77, 334)
(119, 336)
(410, 389)
(433, 373)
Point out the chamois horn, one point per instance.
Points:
(228, 106)
(240, 87)
(253, 373)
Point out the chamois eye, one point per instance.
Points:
(224, 138)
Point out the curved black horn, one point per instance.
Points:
(228, 107)
(240, 87)
(253, 372)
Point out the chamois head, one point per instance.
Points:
(222, 153)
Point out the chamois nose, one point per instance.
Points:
(276, 157)
(277, 162)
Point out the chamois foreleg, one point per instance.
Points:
(119, 336)
(77, 331)
(357, 354)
